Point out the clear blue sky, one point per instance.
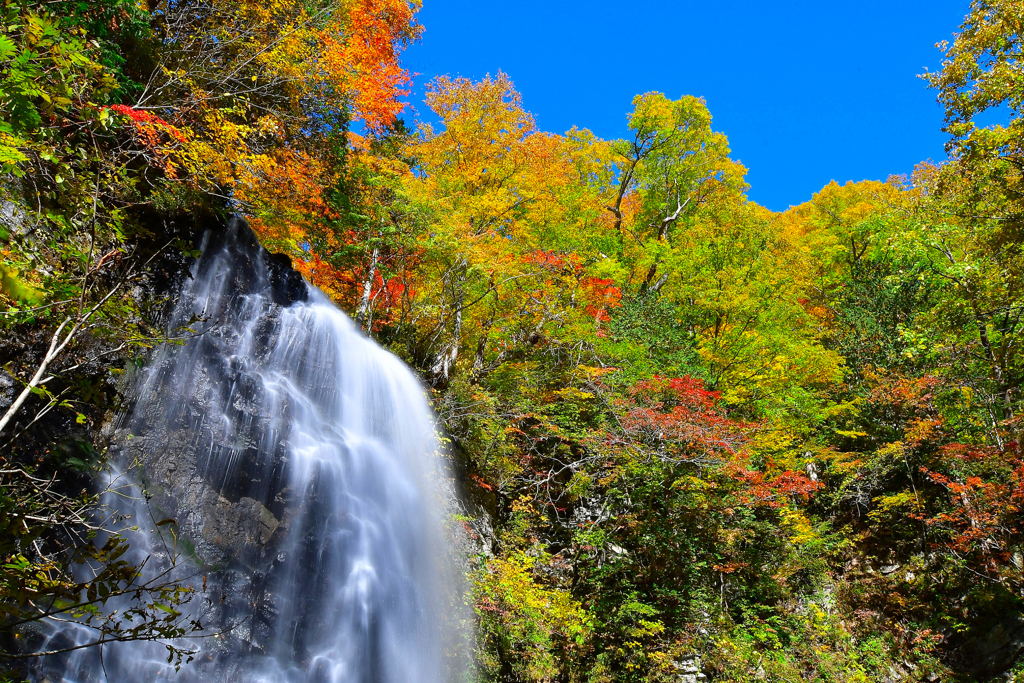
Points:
(807, 92)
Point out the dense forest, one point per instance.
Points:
(696, 439)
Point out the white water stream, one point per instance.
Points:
(282, 407)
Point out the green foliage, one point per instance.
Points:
(647, 334)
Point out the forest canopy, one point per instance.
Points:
(707, 437)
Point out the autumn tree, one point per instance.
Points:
(670, 167)
(981, 74)
(506, 201)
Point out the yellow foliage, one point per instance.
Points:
(542, 622)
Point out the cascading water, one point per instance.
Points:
(299, 459)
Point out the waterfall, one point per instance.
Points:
(297, 462)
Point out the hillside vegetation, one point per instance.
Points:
(786, 445)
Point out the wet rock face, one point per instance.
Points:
(212, 458)
(256, 269)
(224, 530)
(287, 286)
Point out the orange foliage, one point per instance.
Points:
(364, 59)
(603, 294)
(278, 156)
(283, 194)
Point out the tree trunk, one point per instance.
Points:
(363, 314)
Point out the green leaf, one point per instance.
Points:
(167, 609)
(7, 47)
(12, 286)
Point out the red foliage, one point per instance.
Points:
(984, 510)
(552, 260)
(148, 125)
(149, 129)
(773, 491)
(683, 411)
(682, 419)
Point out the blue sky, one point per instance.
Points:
(807, 92)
